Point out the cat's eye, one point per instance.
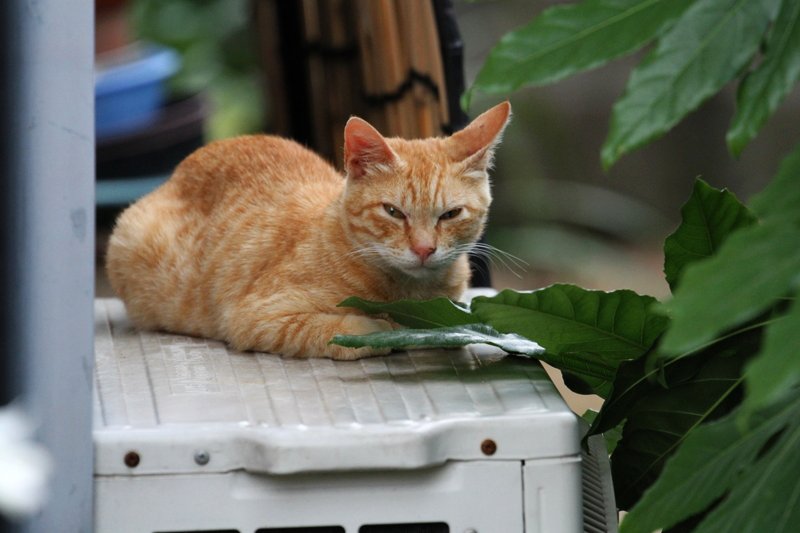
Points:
(394, 212)
(453, 213)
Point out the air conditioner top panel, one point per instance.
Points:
(184, 405)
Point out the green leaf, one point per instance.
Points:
(574, 324)
(763, 89)
(781, 198)
(775, 373)
(707, 218)
(448, 337)
(766, 496)
(753, 268)
(660, 418)
(709, 45)
(710, 462)
(435, 313)
(566, 39)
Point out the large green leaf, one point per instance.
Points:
(763, 90)
(781, 198)
(753, 268)
(658, 418)
(707, 218)
(710, 463)
(435, 313)
(448, 337)
(775, 373)
(766, 496)
(709, 45)
(570, 38)
(575, 324)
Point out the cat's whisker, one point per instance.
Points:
(493, 263)
(483, 245)
(481, 268)
(495, 255)
(502, 254)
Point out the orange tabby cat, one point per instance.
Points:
(254, 240)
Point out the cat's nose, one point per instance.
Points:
(423, 251)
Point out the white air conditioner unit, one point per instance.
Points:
(191, 437)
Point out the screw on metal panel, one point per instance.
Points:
(201, 457)
(488, 447)
(132, 459)
(470, 530)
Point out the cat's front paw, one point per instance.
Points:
(340, 353)
(359, 325)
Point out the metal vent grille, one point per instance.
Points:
(599, 506)
(434, 527)
(314, 529)
(202, 531)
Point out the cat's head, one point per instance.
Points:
(416, 205)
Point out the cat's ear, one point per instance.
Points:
(364, 148)
(475, 144)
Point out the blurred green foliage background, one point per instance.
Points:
(217, 42)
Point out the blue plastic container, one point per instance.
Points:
(129, 93)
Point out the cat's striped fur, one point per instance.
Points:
(254, 240)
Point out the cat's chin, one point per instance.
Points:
(422, 272)
(419, 272)
(407, 268)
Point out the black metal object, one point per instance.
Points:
(295, 74)
(7, 213)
